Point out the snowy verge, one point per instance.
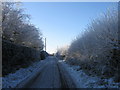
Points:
(14, 79)
(67, 80)
(0, 83)
(84, 81)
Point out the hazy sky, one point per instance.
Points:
(61, 22)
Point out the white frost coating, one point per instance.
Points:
(11, 80)
(85, 81)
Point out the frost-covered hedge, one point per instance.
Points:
(97, 51)
(15, 57)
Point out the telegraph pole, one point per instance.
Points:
(45, 44)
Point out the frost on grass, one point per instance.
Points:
(11, 80)
(84, 81)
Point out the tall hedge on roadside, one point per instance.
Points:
(15, 57)
(97, 51)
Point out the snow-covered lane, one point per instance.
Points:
(49, 77)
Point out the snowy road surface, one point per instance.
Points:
(54, 73)
(49, 76)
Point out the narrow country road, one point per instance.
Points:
(49, 76)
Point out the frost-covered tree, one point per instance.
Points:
(97, 46)
(12, 19)
(62, 52)
(17, 28)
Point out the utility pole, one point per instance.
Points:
(45, 44)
